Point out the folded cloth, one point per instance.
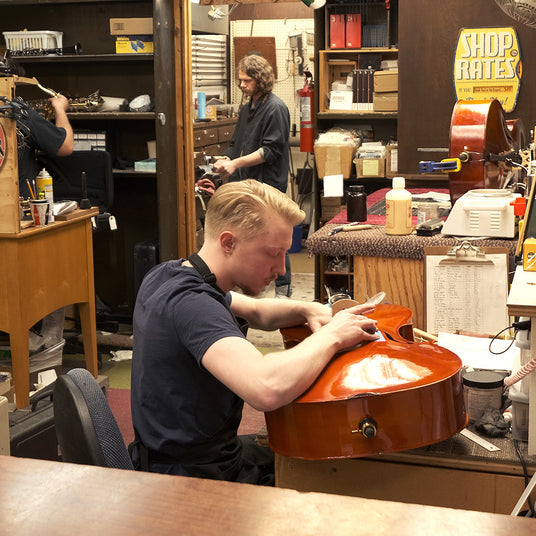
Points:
(491, 423)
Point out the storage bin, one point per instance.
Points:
(30, 40)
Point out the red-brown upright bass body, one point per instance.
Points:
(479, 129)
(383, 396)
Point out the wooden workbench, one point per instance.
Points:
(381, 262)
(51, 498)
(41, 270)
(455, 473)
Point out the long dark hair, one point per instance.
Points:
(260, 70)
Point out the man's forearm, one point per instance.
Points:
(250, 160)
(62, 121)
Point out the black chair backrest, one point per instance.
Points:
(66, 172)
(85, 425)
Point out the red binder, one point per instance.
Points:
(337, 27)
(353, 30)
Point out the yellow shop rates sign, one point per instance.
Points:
(487, 65)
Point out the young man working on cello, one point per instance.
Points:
(193, 367)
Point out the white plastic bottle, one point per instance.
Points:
(398, 209)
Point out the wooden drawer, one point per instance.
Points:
(199, 158)
(216, 149)
(225, 133)
(205, 136)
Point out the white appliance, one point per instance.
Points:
(483, 212)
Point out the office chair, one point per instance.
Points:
(67, 174)
(85, 425)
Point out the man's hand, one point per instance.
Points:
(224, 167)
(349, 327)
(59, 103)
(206, 186)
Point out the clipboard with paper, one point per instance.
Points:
(466, 289)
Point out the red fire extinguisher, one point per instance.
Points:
(306, 94)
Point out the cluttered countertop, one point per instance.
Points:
(375, 242)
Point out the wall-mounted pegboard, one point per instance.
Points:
(294, 50)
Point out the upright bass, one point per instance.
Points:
(381, 396)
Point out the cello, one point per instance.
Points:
(381, 396)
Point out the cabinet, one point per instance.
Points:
(127, 133)
(211, 139)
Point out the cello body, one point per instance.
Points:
(478, 129)
(382, 396)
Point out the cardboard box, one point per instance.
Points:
(340, 100)
(391, 161)
(134, 44)
(142, 26)
(385, 102)
(385, 81)
(340, 70)
(334, 160)
(330, 206)
(369, 167)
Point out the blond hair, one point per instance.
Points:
(247, 206)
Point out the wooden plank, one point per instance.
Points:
(9, 179)
(400, 279)
(407, 483)
(263, 45)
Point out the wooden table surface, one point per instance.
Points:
(51, 498)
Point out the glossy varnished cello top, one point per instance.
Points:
(392, 363)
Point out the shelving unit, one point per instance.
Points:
(350, 57)
(384, 124)
(381, 16)
(336, 275)
(127, 133)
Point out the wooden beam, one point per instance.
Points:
(185, 133)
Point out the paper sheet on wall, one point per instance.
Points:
(466, 296)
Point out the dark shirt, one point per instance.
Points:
(177, 405)
(43, 136)
(265, 125)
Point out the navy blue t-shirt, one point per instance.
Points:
(176, 402)
(43, 136)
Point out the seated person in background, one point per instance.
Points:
(45, 137)
(193, 366)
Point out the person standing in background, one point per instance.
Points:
(259, 148)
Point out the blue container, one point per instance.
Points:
(297, 235)
(201, 105)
